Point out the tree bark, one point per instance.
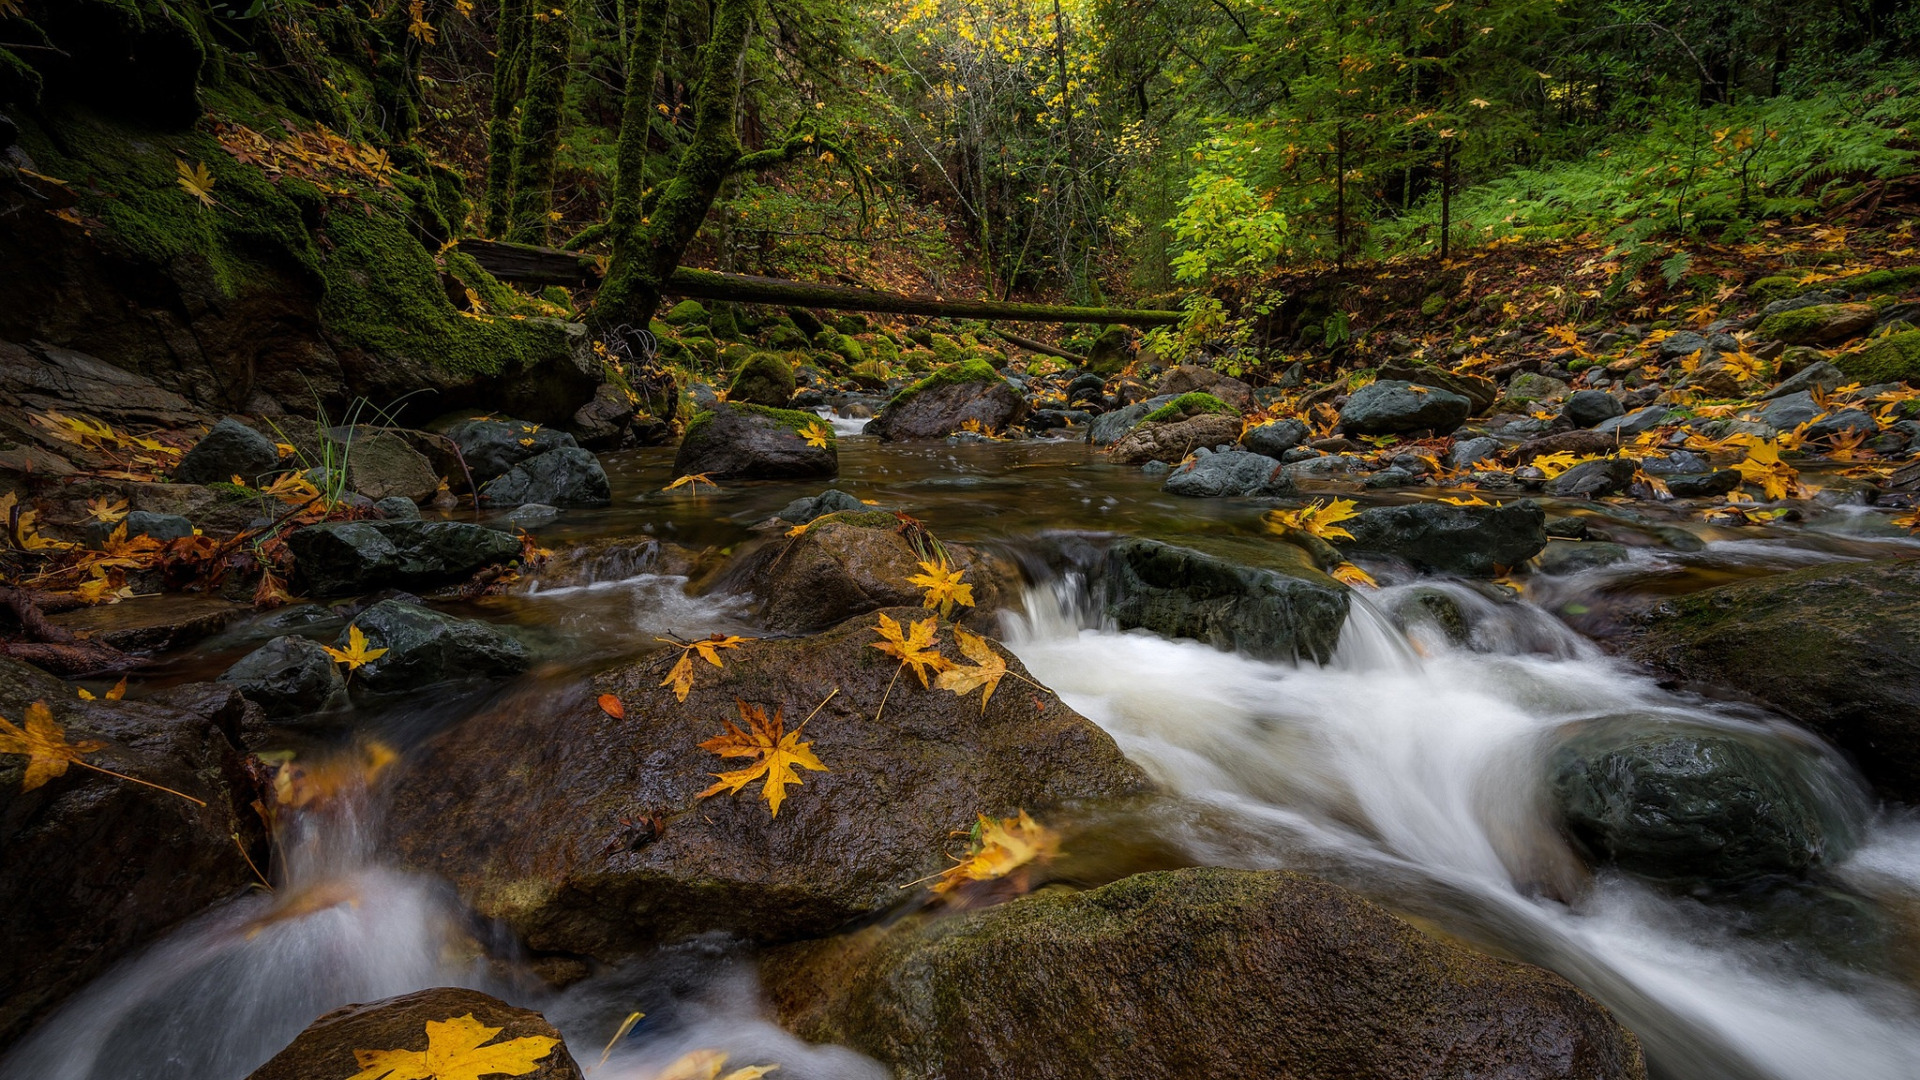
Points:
(509, 83)
(549, 51)
(645, 42)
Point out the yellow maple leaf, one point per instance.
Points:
(817, 435)
(45, 745)
(1743, 365)
(195, 181)
(942, 586)
(987, 670)
(1455, 500)
(913, 647)
(291, 488)
(708, 649)
(706, 1065)
(456, 1050)
(776, 751)
(1349, 574)
(1764, 469)
(1319, 519)
(356, 654)
(1909, 520)
(106, 509)
(997, 849)
(692, 482)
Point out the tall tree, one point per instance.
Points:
(549, 57)
(509, 83)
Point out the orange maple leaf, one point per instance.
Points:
(775, 749)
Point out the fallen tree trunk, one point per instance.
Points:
(549, 266)
(1041, 347)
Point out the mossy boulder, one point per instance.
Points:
(847, 349)
(1175, 429)
(526, 810)
(331, 1046)
(1472, 541)
(1775, 287)
(1894, 358)
(1184, 379)
(1819, 324)
(1111, 352)
(1266, 601)
(1189, 973)
(686, 313)
(764, 378)
(945, 349)
(947, 400)
(752, 442)
(1836, 649)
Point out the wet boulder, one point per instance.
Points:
(1275, 438)
(161, 527)
(289, 676)
(1478, 389)
(1589, 408)
(98, 866)
(751, 442)
(330, 1047)
(948, 400)
(490, 446)
(764, 378)
(1472, 541)
(1592, 479)
(831, 501)
(383, 464)
(1397, 408)
(1173, 430)
(1818, 324)
(340, 558)
(568, 476)
(1192, 378)
(586, 833)
(426, 646)
(1690, 805)
(853, 562)
(1704, 485)
(1835, 648)
(1233, 473)
(1110, 428)
(1189, 973)
(229, 449)
(1563, 557)
(1266, 601)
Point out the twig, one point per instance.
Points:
(883, 697)
(137, 780)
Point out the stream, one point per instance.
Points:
(1411, 769)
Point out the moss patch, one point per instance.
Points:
(860, 519)
(1894, 358)
(1186, 405)
(967, 371)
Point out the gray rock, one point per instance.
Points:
(1592, 479)
(1686, 343)
(289, 676)
(746, 442)
(1703, 485)
(1817, 374)
(1320, 466)
(425, 646)
(1468, 540)
(1562, 557)
(1478, 389)
(383, 465)
(1843, 420)
(532, 515)
(1526, 386)
(344, 557)
(1235, 473)
(230, 449)
(1276, 438)
(1675, 463)
(398, 508)
(1809, 299)
(1392, 408)
(1465, 452)
(1274, 606)
(1189, 378)
(1109, 428)
(830, 501)
(1691, 805)
(490, 447)
(1587, 408)
(1637, 422)
(161, 527)
(946, 401)
(568, 476)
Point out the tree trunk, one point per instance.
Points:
(509, 82)
(549, 51)
(645, 43)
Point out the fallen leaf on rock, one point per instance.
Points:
(708, 649)
(356, 655)
(912, 647)
(456, 1050)
(987, 670)
(942, 586)
(997, 849)
(706, 1065)
(610, 705)
(45, 745)
(1319, 519)
(775, 749)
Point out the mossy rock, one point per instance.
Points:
(1187, 406)
(754, 442)
(883, 349)
(946, 350)
(787, 337)
(851, 323)
(724, 321)
(870, 374)
(1894, 358)
(846, 348)
(1897, 279)
(1818, 324)
(947, 400)
(736, 354)
(918, 360)
(763, 379)
(702, 349)
(1777, 287)
(686, 313)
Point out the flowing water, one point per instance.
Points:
(1409, 768)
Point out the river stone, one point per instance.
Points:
(1592, 479)
(397, 508)
(1633, 424)
(1836, 649)
(585, 832)
(1473, 541)
(1188, 378)
(532, 515)
(289, 676)
(1562, 557)
(1466, 452)
(945, 401)
(230, 449)
(1171, 440)
(1842, 421)
(1690, 805)
(764, 378)
(1478, 389)
(749, 442)
(426, 646)
(382, 465)
(491, 446)
(853, 562)
(1818, 375)
(831, 501)
(1588, 408)
(97, 866)
(161, 527)
(1275, 438)
(568, 476)
(327, 1049)
(1110, 428)
(1270, 603)
(1233, 473)
(1704, 485)
(338, 558)
(1190, 973)
(1396, 407)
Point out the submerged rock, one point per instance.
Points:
(1274, 606)
(426, 646)
(338, 558)
(229, 449)
(1472, 541)
(1191, 973)
(329, 1048)
(1690, 805)
(568, 476)
(750, 442)
(831, 501)
(289, 676)
(97, 866)
(1234, 473)
(1835, 648)
(585, 831)
(947, 400)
